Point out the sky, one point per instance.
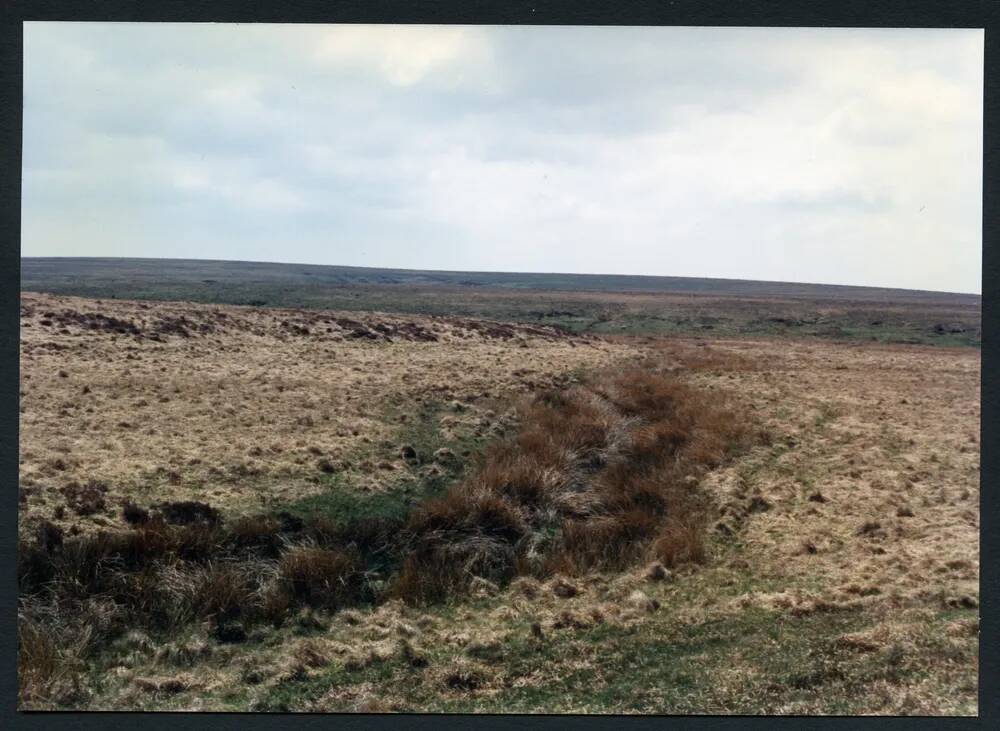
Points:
(840, 156)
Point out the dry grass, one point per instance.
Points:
(320, 577)
(861, 435)
(868, 624)
(162, 576)
(241, 410)
(857, 490)
(38, 660)
(594, 477)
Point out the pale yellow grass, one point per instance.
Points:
(246, 413)
(867, 501)
(872, 434)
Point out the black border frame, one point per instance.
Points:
(788, 13)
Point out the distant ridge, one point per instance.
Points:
(134, 277)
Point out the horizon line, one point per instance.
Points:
(488, 271)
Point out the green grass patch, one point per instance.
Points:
(342, 502)
(754, 662)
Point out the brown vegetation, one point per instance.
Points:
(319, 576)
(598, 477)
(244, 410)
(857, 524)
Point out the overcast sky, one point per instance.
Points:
(813, 155)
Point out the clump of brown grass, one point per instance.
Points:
(50, 648)
(222, 592)
(161, 575)
(365, 535)
(133, 514)
(598, 476)
(256, 532)
(320, 577)
(86, 499)
(456, 538)
(38, 660)
(681, 542)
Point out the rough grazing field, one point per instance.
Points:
(842, 564)
(179, 401)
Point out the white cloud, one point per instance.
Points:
(405, 55)
(846, 156)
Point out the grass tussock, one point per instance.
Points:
(319, 577)
(38, 660)
(598, 477)
(79, 593)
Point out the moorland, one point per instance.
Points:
(243, 490)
